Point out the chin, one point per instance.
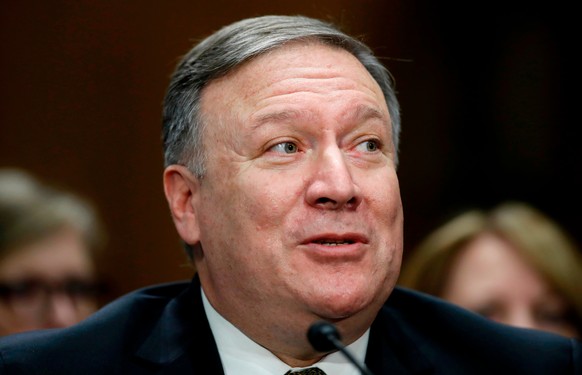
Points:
(339, 305)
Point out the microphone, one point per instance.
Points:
(324, 337)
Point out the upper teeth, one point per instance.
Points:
(333, 243)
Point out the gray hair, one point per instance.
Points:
(232, 46)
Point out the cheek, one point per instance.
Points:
(390, 216)
(384, 197)
(246, 205)
(269, 198)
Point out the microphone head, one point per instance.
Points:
(323, 336)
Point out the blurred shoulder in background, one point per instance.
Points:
(512, 264)
(49, 239)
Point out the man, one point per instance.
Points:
(281, 138)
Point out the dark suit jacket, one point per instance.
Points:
(164, 330)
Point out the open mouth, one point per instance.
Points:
(331, 239)
(334, 242)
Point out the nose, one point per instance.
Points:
(61, 311)
(332, 185)
(523, 318)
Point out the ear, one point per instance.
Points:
(182, 190)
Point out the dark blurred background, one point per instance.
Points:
(489, 107)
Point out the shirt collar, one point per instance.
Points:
(242, 356)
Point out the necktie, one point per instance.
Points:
(307, 371)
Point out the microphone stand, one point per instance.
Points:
(324, 337)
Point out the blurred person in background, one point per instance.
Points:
(512, 264)
(48, 240)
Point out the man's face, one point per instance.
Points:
(300, 208)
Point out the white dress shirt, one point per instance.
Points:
(242, 356)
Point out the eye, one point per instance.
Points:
(285, 147)
(551, 317)
(370, 145)
(556, 315)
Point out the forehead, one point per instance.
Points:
(295, 66)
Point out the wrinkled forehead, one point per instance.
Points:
(290, 66)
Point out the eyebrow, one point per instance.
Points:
(279, 116)
(361, 113)
(365, 112)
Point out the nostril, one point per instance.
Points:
(329, 203)
(325, 201)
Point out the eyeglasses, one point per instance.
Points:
(33, 296)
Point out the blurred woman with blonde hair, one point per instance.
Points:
(512, 264)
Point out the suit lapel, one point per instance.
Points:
(170, 345)
(391, 351)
